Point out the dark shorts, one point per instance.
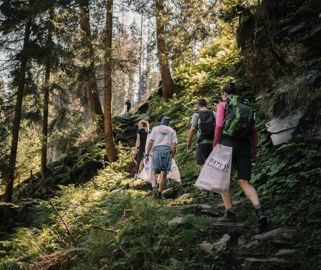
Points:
(202, 152)
(162, 159)
(241, 159)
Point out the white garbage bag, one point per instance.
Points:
(216, 172)
(174, 174)
(147, 173)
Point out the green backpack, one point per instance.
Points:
(239, 118)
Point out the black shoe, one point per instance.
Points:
(229, 216)
(261, 217)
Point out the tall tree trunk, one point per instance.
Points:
(168, 85)
(44, 148)
(90, 71)
(17, 116)
(109, 138)
(140, 68)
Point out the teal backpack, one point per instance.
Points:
(239, 118)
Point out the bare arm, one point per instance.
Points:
(191, 135)
(174, 149)
(149, 147)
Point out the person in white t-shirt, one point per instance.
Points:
(163, 142)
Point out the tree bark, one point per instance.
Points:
(17, 116)
(90, 71)
(109, 139)
(44, 147)
(168, 85)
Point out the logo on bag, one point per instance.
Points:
(218, 165)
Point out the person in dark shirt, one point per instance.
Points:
(128, 105)
(142, 133)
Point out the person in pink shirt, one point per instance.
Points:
(244, 151)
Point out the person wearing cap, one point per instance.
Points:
(243, 151)
(163, 143)
(204, 144)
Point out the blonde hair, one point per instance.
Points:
(145, 125)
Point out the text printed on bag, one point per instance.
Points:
(218, 165)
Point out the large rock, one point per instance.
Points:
(222, 243)
(281, 45)
(278, 39)
(207, 247)
(217, 246)
(282, 128)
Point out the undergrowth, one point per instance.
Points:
(113, 225)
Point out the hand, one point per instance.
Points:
(189, 144)
(147, 159)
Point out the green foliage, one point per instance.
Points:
(112, 229)
(114, 225)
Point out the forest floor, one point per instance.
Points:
(111, 221)
(92, 215)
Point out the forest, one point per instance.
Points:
(80, 83)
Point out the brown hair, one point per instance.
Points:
(145, 125)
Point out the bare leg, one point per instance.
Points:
(141, 166)
(227, 199)
(162, 181)
(249, 191)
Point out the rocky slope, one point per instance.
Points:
(281, 44)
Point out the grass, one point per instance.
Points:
(113, 225)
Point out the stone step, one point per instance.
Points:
(267, 263)
(276, 234)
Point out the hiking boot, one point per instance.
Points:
(229, 216)
(261, 217)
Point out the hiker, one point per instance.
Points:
(141, 139)
(127, 107)
(234, 130)
(163, 142)
(203, 124)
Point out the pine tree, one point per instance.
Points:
(46, 89)
(21, 78)
(168, 85)
(109, 138)
(89, 69)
